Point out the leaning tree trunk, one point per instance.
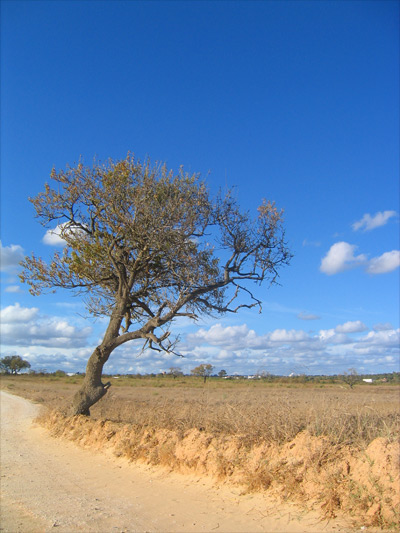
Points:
(93, 389)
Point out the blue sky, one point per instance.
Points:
(296, 102)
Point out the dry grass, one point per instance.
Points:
(260, 412)
(324, 445)
(269, 414)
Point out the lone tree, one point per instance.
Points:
(203, 371)
(13, 364)
(351, 377)
(145, 246)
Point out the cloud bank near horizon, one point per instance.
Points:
(56, 343)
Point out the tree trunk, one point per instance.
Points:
(93, 389)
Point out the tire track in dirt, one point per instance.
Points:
(52, 485)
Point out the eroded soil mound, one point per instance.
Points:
(363, 484)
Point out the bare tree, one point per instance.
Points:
(145, 246)
(351, 377)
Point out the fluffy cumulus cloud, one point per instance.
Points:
(388, 338)
(14, 314)
(341, 256)
(23, 326)
(52, 237)
(332, 336)
(351, 327)
(284, 336)
(369, 222)
(230, 337)
(241, 337)
(386, 262)
(10, 257)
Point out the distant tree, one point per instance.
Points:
(351, 377)
(175, 371)
(13, 364)
(222, 373)
(203, 371)
(145, 247)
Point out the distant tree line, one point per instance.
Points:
(14, 364)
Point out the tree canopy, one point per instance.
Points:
(144, 246)
(13, 364)
(203, 371)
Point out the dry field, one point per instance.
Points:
(327, 446)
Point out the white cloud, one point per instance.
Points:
(351, 327)
(368, 222)
(387, 338)
(15, 313)
(56, 334)
(23, 326)
(52, 236)
(386, 262)
(230, 336)
(237, 338)
(331, 336)
(225, 355)
(10, 257)
(283, 335)
(341, 257)
(13, 289)
(68, 359)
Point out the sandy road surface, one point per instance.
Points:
(52, 485)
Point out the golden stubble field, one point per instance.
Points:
(325, 446)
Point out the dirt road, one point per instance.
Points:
(52, 485)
